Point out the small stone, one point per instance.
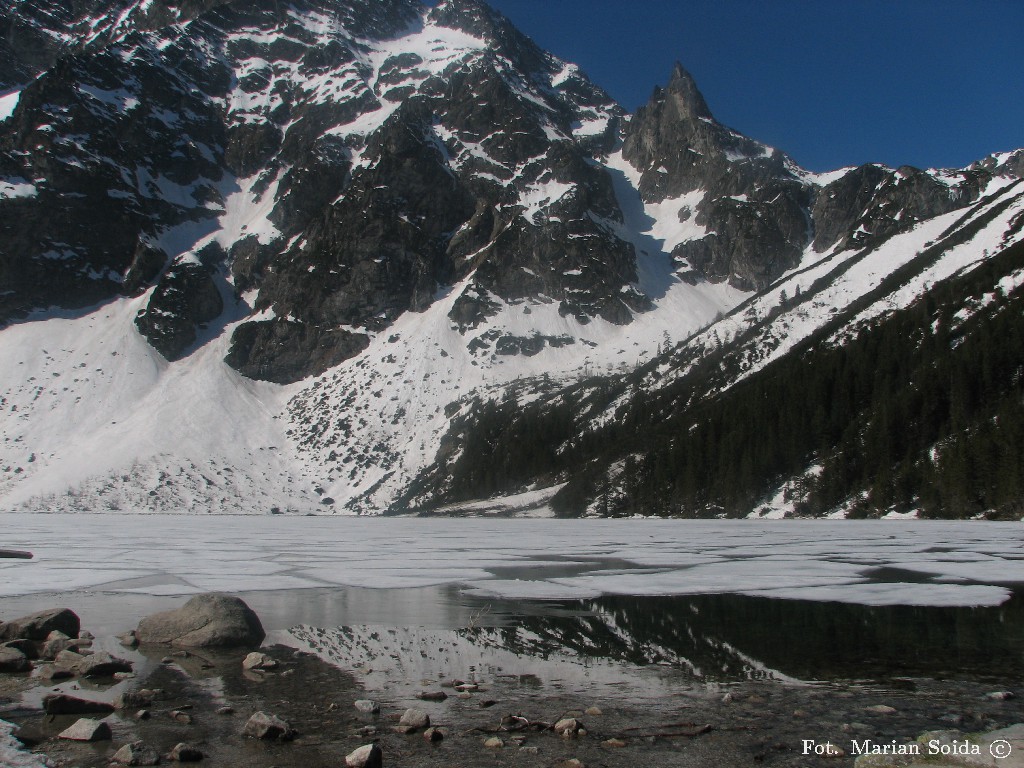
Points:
(467, 687)
(568, 727)
(62, 704)
(259, 662)
(86, 635)
(613, 743)
(13, 660)
(494, 743)
(87, 730)
(572, 762)
(181, 717)
(728, 698)
(593, 711)
(226, 711)
(129, 639)
(432, 696)
(185, 753)
(136, 753)
(465, 695)
(433, 734)
(881, 709)
(1000, 695)
(405, 730)
(366, 706)
(529, 750)
(367, 756)
(143, 714)
(487, 703)
(415, 718)
(799, 713)
(264, 726)
(123, 675)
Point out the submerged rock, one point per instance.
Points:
(211, 620)
(415, 719)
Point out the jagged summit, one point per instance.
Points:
(683, 99)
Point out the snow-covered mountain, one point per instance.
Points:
(325, 256)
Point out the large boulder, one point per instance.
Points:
(205, 621)
(38, 626)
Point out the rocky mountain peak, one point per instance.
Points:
(683, 100)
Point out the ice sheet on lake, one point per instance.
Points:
(872, 563)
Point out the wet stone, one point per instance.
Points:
(87, 730)
(136, 753)
(415, 719)
(366, 756)
(269, 727)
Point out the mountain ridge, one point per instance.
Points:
(390, 214)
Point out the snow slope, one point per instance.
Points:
(95, 419)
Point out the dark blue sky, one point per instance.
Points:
(931, 83)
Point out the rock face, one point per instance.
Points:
(38, 626)
(211, 620)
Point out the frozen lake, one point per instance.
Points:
(571, 603)
(868, 563)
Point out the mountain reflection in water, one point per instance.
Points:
(709, 638)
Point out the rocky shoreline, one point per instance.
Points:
(190, 685)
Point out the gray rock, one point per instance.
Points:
(211, 620)
(367, 756)
(433, 734)
(415, 718)
(568, 727)
(136, 753)
(62, 704)
(186, 297)
(30, 649)
(53, 672)
(55, 643)
(102, 665)
(13, 660)
(185, 753)
(68, 660)
(129, 639)
(87, 730)
(494, 743)
(366, 706)
(259, 662)
(270, 727)
(38, 626)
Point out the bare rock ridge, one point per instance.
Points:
(385, 171)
